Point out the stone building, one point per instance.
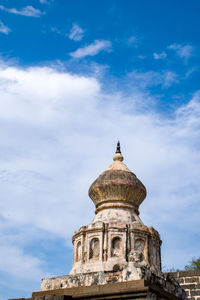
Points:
(115, 256)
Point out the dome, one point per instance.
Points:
(117, 187)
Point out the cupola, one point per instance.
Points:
(117, 187)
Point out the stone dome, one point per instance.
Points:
(117, 187)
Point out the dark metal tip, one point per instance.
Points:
(118, 150)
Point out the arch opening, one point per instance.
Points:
(78, 251)
(116, 246)
(94, 249)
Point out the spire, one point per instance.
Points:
(118, 150)
(118, 155)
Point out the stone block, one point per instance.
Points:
(188, 286)
(195, 293)
(181, 280)
(63, 297)
(192, 279)
(187, 293)
(188, 273)
(49, 297)
(197, 286)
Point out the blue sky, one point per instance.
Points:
(76, 76)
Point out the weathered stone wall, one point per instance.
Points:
(190, 282)
(118, 275)
(156, 288)
(101, 246)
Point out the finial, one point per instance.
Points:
(118, 156)
(118, 150)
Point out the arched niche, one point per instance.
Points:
(94, 248)
(116, 246)
(139, 245)
(154, 254)
(78, 251)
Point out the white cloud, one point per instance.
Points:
(159, 55)
(28, 11)
(132, 40)
(19, 263)
(183, 51)
(46, 1)
(191, 71)
(4, 29)
(76, 33)
(170, 78)
(92, 49)
(56, 30)
(60, 132)
(151, 78)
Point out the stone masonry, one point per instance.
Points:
(190, 282)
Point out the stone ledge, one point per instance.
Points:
(90, 290)
(189, 273)
(21, 299)
(117, 290)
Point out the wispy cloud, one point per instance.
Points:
(46, 1)
(92, 49)
(18, 259)
(56, 30)
(132, 40)
(3, 28)
(191, 71)
(152, 78)
(183, 51)
(76, 33)
(160, 55)
(170, 78)
(28, 11)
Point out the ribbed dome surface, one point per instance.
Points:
(117, 187)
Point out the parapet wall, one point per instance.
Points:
(190, 282)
